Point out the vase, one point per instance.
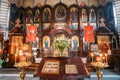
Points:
(61, 52)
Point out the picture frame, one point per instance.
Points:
(92, 16)
(84, 16)
(16, 44)
(74, 14)
(94, 47)
(103, 43)
(51, 67)
(60, 14)
(46, 15)
(37, 16)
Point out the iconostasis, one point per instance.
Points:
(63, 20)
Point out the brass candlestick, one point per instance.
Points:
(99, 66)
(22, 66)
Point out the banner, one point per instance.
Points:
(31, 33)
(89, 34)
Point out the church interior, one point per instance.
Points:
(60, 39)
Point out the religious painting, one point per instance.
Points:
(29, 17)
(51, 67)
(37, 16)
(85, 45)
(60, 14)
(46, 25)
(16, 44)
(35, 43)
(74, 26)
(103, 44)
(84, 16)
(94, 47)
(26, 47)
(114, 42)
(92, 16)
(74, 43)
(46, 15)
(57, 52)
(46, 42)
(74, 14)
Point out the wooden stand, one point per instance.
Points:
(82, 71)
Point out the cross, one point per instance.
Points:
(17, 23)
(102, 22)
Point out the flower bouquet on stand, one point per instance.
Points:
(61, 43)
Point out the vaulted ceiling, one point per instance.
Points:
(32, 3)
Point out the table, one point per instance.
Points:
(81, 68)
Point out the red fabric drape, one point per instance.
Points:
(89, 34)
(31, 33)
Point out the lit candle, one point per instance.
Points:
(103, 59)
(106, 58)
(92, 56)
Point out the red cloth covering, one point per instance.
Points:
(89, 34)
(31, 33)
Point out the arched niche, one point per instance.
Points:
(60, 12)
(36, 15)
(29, 15)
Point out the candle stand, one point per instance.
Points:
(99, 64)
(22, 61)
(22, 66)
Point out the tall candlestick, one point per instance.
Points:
(106, 58)
(92, 56)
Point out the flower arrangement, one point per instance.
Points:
(61, 43)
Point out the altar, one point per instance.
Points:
(61, 68)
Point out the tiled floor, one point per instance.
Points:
(13, 74)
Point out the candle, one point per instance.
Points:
(92, 56)
(103, 59)
(106, 58)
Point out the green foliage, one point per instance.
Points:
(61, 44)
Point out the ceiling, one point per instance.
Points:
(33, 3)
